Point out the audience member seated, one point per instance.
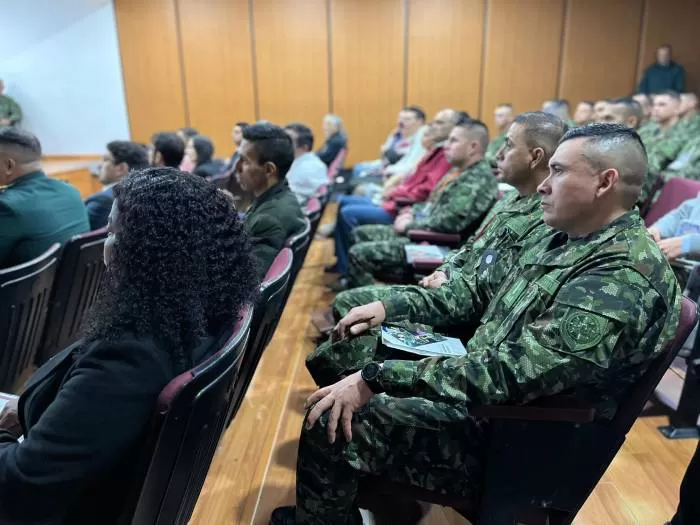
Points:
(308, 173)
(670, 135)
(166, 149)
(186, 134)
(237, 136)
(460, 199)
(354, 210)
(503, 116)
(584, 113)
(689, 114)
(121, 157)
(687, 163)
(336, 140)
(10, 112)
(36, 211)
(200, 150)
(559, 108)
(410, 421)
(267, 153)
(648, 127)
(84, 413)
(599, 109)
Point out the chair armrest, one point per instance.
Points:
(563, 409)
(426, 264)
(441, 239)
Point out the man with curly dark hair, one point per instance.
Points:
(179, 270)
(120, 158)
(267, 153)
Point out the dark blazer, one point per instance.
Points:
(37, 211)
(330, 149)
(272, 219)
(659, 78)
(98, 206)
(84, 415)
(208, 169)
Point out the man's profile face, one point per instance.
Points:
(599, 109)
(251, 174)
(514, 158)
(665, 108)
(663, 56)
(689, 102)
(457, 147)
(441, 125)
(408, 122)
(569, 192)
(617, 114)
(110, 172)
(295, 136)
(583, 114)
(503, 116)
(643, 101)
(237, 135)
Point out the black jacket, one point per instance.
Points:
(272, 219)
(658, 78)
(330, 149)
(208, 169)
(84, 415)
(98, 207)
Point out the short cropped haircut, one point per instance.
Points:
(461, 117)
(476, 130)
(189, 132)
(134, 155)
(304, 135)
(170, 147)
(632, 108)
(542, 130)
(272, 144)
(615, 146)
(24, 146)
(204, 148)
(669, 92)
(417, 111)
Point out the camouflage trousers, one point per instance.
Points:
(435, 446)
(377, 252)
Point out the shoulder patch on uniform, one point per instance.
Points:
(582, 330)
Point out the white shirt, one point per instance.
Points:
(306, 175)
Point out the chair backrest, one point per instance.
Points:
(266, 316)
(75, 289)
(674, 193)
(337, 163)
(313, 210)
(24, 297)
(323, 195)
(188, 421)
(299, 244)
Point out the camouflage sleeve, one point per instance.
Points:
(456, 259)
(663, 153)
(691, 168)
(462, 204)
(579, 339)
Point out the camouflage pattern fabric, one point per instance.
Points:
(647, 132)
(378, 251)
(9, 109)
(665, 145)
(492, 149)
(387, 434)
(687, 164)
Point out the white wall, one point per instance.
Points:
(66, 75)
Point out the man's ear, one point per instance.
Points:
(122, 169)
(537, 158)
(270, 170)
(607, 181)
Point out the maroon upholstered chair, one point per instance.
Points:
(313, 210)
(185, 428)
(75, 289)
(673, 194)
(323, 195)
(299, 244)
(24, 302)
(544, 458)
(266, 317)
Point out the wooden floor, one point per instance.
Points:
(253, 471)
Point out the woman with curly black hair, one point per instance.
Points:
(179, 270)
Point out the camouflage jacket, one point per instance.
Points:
(691, 126)
(509, 219)
(665, 146)
(455, 205)
(687, 163)
(647, 131)
(578, 315)
(9, 109)
(493, 147)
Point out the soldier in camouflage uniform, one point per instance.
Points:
(10, 113)
(586, 311)
(457, 202)
(670, 134)
(522, 163)
(689, 114)
(504, 118)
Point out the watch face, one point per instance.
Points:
(371, 371)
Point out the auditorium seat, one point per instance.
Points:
(544, 458)
(266, 316)
(78, 279)
(336, 165)
(313, 210)
(673, 194)
(299, 245)
(184, 431)
(24, 297)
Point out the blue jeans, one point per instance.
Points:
(354, 211)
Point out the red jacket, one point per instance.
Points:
(416, 188)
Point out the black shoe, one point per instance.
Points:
(283, 516)
(339, 286)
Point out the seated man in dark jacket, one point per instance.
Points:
(122, 156)
(167, 149)
(336, 139)
(36, 211)
(266, 155)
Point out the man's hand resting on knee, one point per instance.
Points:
(435, 280)
(360, 319)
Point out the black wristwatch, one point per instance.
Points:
(371, 373)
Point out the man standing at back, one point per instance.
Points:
(266, 156)
(10, 112)
(503, 117)
(121, 157)
(308, 173)
(663, 75)
(35, 210)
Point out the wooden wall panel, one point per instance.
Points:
(445, 45)
(367, 70)
(291, 54)
(600, 52)
(218, 67)
(523, 43)
(148, 43)
(674, 22)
